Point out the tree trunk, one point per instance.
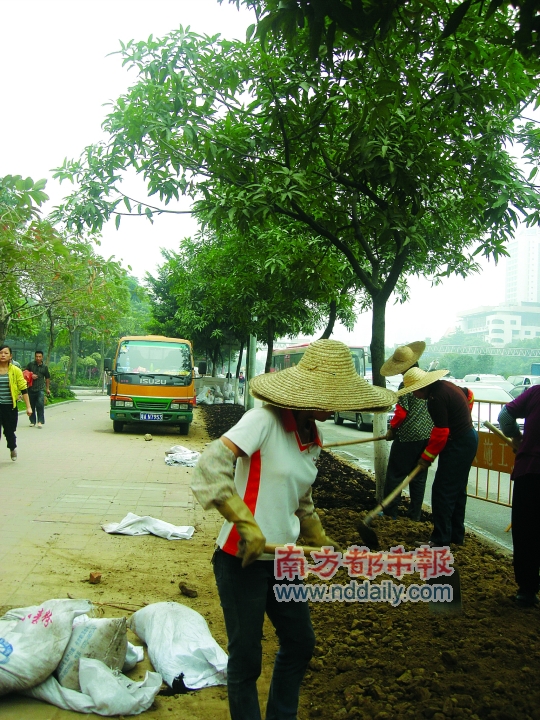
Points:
(270, 346)
(240, 356)
(5, 321)
(51, 336)
(379, 419)
(377, 339)
(331, 321)
(74, 353)
(215, 355)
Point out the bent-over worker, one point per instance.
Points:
(410, 430)
(455, 441)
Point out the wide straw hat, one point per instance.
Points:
(324, 379)
(403, 358)
(416, 379)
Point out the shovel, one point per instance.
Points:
(368, 535)
(498, 432)
(353, 442)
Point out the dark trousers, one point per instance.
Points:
(37, 402)
(525, 527)
(246, 594)
(404, 457)
(9, 417)
(449, 492)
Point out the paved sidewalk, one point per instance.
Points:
(75, 474)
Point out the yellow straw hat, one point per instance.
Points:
(324, 379)
(416, 379)
(403, 358)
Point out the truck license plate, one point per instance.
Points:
(151, 416)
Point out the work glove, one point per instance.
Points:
(252, 542)
(312, 531)
(425, 464)
(390, 434)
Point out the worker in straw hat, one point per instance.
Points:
(267, 500)
(410, 430)
(455, 441)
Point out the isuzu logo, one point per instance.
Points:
(153, 381)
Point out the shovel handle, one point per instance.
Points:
(353, 442)
(271, 549)
(495, 430)
(395, 492)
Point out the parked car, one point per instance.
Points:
(520, 389)
(488, 402)
(475, 379)
(524, 379)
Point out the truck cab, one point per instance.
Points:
(152, 381)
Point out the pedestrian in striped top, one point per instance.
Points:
(12, 383)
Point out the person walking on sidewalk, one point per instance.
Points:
(410, 430)
(12, 383)
(40, 386)
(455, 441)
(526, 495)
(267, 499)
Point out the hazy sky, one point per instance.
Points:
(55, 80)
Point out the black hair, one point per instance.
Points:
(3, 347)
(39, 352)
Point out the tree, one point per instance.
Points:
(354, 24)
(227, 286)
(398, 161)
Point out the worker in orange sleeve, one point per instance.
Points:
(454, 441)
(410, 430)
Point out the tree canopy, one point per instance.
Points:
(399, 160)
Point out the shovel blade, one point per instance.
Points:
(368, 535)
(455, 606)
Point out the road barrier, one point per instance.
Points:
(489, 478)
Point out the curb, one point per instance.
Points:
(64, 402)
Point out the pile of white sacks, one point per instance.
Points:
(58, 653)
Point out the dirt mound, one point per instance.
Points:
(376, 661)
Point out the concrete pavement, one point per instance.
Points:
(75, 474)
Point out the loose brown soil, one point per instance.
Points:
(374, 661)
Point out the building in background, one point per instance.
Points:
(518, 318)
(523, 268)
(502, 324)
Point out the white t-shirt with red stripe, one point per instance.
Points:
(277, 471)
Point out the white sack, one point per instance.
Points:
(32, 641)
(179, 642)
(134, 655)
(102, 639)
(205, 396)
(103, 692)
(136, 525)
(180, 455)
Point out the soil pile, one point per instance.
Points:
(376, 661)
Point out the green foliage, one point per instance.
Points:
(398, 157)
(355, 25)
(59, 384)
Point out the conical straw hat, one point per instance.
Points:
(416, 379)
(324, 379)
(403, 358)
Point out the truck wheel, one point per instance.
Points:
(338, 420)
(118, 426)
(184, 428)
